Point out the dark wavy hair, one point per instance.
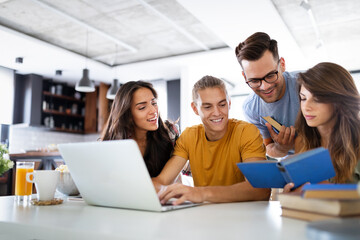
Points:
(120, 125)
(332, 84)
(254, 47)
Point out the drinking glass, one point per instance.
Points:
(23, 188)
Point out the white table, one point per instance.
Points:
(77, 220)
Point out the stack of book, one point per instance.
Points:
(322, 201)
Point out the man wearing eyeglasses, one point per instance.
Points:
(274, 92)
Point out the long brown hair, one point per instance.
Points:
(120, 125)
(331, 83)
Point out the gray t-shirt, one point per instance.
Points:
(283, 111)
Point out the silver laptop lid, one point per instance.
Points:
(111, 173)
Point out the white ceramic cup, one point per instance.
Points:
(45, 183)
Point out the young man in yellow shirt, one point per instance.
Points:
(213, 149)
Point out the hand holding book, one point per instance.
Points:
(312, 166)
(274, 124)
(290, 187)
(282, 136)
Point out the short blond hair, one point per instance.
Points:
(207, 82)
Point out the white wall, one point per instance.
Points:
(356, 77)
(6, 95)
(161, 89)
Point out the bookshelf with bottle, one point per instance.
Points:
(63, 109)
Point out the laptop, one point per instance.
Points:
(113, 174)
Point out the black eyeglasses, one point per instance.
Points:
(270, 78)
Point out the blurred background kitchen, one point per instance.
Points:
(48, 46)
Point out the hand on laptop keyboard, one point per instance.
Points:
(182, 192)
(162, 189)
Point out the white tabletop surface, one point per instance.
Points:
(77, 220)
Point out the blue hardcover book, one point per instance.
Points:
(330, 187)
(312, 166)
(332, 191)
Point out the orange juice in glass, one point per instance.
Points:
(23, 188)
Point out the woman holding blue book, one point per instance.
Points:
(329, 118)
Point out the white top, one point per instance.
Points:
(77, 220)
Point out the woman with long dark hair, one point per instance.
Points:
(135, 115)
(329, 118)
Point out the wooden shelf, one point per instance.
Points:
(46, 93)
(64, 120)
(55, 112)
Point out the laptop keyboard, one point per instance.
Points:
(169, 203)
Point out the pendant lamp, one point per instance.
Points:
(85, 84)
(111, 93)
(113, 90)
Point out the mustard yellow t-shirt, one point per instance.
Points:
(214, 163)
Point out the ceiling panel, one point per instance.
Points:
(151, 29)
(332, 35)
